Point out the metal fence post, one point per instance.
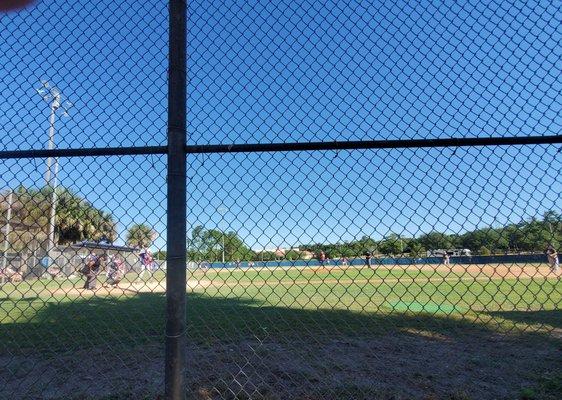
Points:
(176, 212)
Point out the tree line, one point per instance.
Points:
(526, 236)
(76, 219)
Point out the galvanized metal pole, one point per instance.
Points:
(55, 104)
(222, 210)
(52, 215)
(175, 363)
(51, 144)
(7, 233)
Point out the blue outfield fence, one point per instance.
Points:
(387, 261)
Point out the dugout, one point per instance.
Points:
(130, 255)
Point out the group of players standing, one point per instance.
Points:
(551, 255)
(114, 267)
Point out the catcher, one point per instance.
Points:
(93, 265)
(116, 271)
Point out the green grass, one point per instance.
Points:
(251, 303)
(290, 307)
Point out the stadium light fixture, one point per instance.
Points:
(7, 234)
(52, 96)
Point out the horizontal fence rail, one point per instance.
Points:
(273, 147)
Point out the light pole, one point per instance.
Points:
(52, 95)
(7, 233)
(222, 210)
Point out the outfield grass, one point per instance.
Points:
(293, 308)
(236, 302)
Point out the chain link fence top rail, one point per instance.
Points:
(410, 252)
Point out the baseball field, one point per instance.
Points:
(401, 332)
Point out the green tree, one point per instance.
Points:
(484, 251)
(265, 256)
(212, 245)
(552, 217)
(391, 245)
(347, 251)
(552, 222)
(435, 240)
(160, 255)
(417, 250)
(140, 235)
(532, 235)
(235, 249)
(75, 218)
(207, 244)
(365, 244)
(535, 236)
(292, 255)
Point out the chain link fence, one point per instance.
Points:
(338, 200)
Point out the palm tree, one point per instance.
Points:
(140, 235)
(76, 219)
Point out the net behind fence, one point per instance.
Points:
(372, 200)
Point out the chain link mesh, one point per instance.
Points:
(428, 272)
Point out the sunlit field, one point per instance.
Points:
(53, 319)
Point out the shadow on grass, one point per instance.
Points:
(29, 299)
(542, 317)
(140, 318)
(304, 352)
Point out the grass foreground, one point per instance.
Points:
(333, 333)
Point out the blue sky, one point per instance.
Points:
(297, 71)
